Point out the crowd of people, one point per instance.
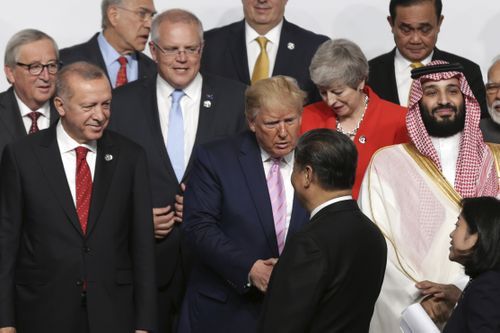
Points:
(256, 177)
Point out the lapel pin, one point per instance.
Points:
(108, 157)
(291, 46)
(362, 139)
(207, 104)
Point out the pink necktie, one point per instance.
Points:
(83, 187)
(278, 201)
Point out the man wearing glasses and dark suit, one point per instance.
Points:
(31, 64)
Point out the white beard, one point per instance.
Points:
(494, 111)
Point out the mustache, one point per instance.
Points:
(445, 106)
(495, 104)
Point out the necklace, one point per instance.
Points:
(352, 134)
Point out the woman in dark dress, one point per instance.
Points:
(475, 243)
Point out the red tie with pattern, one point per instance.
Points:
(34, 118)
(121, 78)
(83, 187)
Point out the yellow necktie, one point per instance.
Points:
(413, 65)
(261, 68)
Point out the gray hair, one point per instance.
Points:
(175, 15)
(276, 91)
(493, 63)
(22, 38)
(82, 69)
(338, 61)
(104, 11)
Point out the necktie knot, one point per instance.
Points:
(122, 60)
(81, 153)
(34, 115)
(177, 95)
(262, 42)
(417, 64)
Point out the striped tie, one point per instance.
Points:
(278, 201)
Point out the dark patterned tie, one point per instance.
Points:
(34, 118)
(121, 78)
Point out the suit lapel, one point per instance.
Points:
(105, 165)
(11, 115)
(286, 49)
(53, 169)
(298, 219)
(96, 55)
(391, 74)
(251, 165)
(238, 49)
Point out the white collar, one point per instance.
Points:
(272, 35)
(191, 90)
(44, 109)
(402, 64)
(328, 203)
(66, 143)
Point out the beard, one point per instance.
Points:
(445, 127)
(494, 111)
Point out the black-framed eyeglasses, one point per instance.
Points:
(492, 88)
(36, 68)
(143, 14)
(175, 51)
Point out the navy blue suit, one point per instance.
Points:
(229, 225)
(225, 54)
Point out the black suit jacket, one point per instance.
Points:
(90, 52)
(137, 118)
(225, 54)
(11, 122)
(479, 308)
(328, 276)
(229, 225)
(383, 78)
(45, 257)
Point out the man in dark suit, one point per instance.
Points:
(330, 274)
(31, 64)
(239, 209)
(117, 49)
(233, 51)
(211, 107)
(76, 245)
(415, 25)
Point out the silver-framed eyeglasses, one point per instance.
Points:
(36, 68)
(492, 88)
(175, 51)
(143, 14)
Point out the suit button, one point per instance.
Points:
(86, 249)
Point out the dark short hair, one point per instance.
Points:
(332, 156)
(438, 6)
(482, 216)
(82, 69)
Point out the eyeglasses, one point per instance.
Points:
(175, 51)
(143, 14)
(37, 68)
(492, 88)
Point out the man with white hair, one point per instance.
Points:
(413, 192)
(491, 126)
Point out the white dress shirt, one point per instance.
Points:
(447, 150)
(67, 147)
(190, 105)
(43, 121)
(253, 47)
(286, 168)
(402, 69)
(328, 203)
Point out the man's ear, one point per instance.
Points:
(113, 15)
(9, 74)
(59, 105)
(391, 21)
(308, 176)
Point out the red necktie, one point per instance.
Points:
(83, 187)
(121, 78)
(34, 118)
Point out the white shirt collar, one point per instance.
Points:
(272, 35)
(44, 110)
(67, 143)
(191, 90)
(328, 203)
(402, 64)
(287, 159)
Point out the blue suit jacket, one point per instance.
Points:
(229, 225)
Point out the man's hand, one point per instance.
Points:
(447, 292)
(8, 330)
(164, 219)
(179, 203)
(261, 272)
(440, 300)
(136, 331)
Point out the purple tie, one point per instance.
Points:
(278, 201)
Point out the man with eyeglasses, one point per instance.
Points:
(118, 48)
(415, 25)
(169, 115)
(31, 63)
(491, 126)
(240, 208)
